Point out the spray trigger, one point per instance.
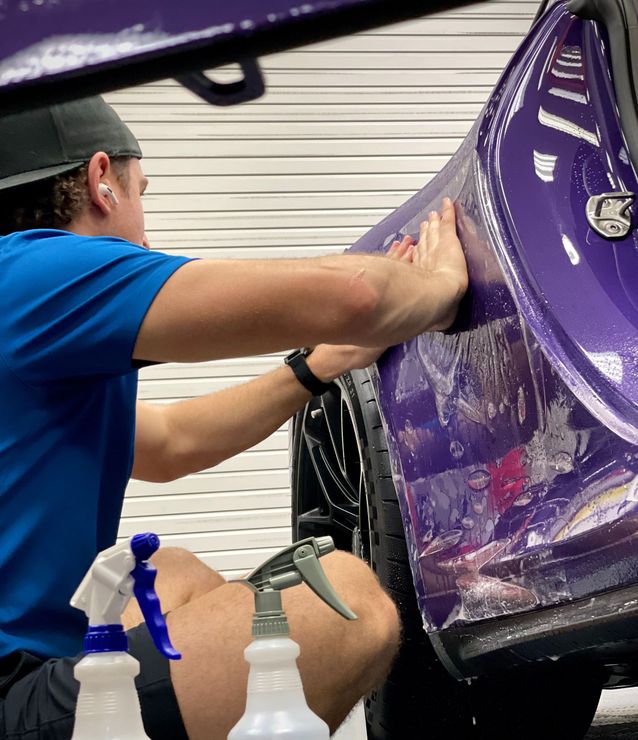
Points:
(144, 574)
(308, 565)
(291, 566)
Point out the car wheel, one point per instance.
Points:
(342, 486)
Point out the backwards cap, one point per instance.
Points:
(42, 143)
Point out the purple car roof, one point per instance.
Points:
(59, 49)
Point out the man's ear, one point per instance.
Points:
(98, 168)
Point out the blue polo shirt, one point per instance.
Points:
(70, 311)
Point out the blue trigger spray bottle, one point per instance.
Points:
(108, 707)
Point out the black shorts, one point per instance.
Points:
(37, 697)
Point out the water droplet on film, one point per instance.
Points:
(562, 462)
(479, 479)
(520, 403)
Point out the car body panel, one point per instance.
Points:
(67, 48)
(513, 436)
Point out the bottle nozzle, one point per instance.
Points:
(324, 545)
(106, 589)
(144, 545)
(291, 566)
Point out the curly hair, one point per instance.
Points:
(53, 203)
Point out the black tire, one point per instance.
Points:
(342, 486)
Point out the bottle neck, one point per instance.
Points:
(105, 638)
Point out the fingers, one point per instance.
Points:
(409, 254)
(393, 248)
(448, 216)
(401, 250)
(436, 229)
(405, 249)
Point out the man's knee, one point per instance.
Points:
(378, 630)
(185, 572)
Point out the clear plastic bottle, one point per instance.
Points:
(276, 707)
(108, 707)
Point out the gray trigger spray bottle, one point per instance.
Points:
(276, 707)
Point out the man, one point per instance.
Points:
(83, 303)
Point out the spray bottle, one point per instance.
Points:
(276, 706)
(108, 707)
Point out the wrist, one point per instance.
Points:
(326, 362)
(304, 373)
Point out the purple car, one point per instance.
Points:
(489, 474)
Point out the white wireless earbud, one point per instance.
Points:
(106, 190)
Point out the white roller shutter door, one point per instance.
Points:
(347, 131)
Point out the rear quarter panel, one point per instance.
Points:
(513, 436)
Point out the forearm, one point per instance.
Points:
(197, 434)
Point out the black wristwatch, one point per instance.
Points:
(296, 361)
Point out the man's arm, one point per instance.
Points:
(182, 438)
(214, 309)
(176, 439)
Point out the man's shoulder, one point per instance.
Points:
(39, 248)
(36, 238)
(23, 239)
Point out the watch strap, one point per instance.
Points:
(296, 361)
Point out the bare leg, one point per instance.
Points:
(340, 660)
(181, 577)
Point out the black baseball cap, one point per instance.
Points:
(38, 144)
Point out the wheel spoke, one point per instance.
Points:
(327, 457)
(321, 523)
(329, 440)
(342, 436)
(331, 404)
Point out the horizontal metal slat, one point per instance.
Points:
(241, 367)
(460, 24)
(393, 40)
(413, 110)
(215, 481)
(301, 130)
(263, 252)
(267, 219)
(262, 200)
(417, 56)
(184, 105)
(187, 387)
(142, 506)
(308, 146)
(209, 192)
(447, 78)
(218, 521)
(284, 167)
(237, 563)
(249, 238)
